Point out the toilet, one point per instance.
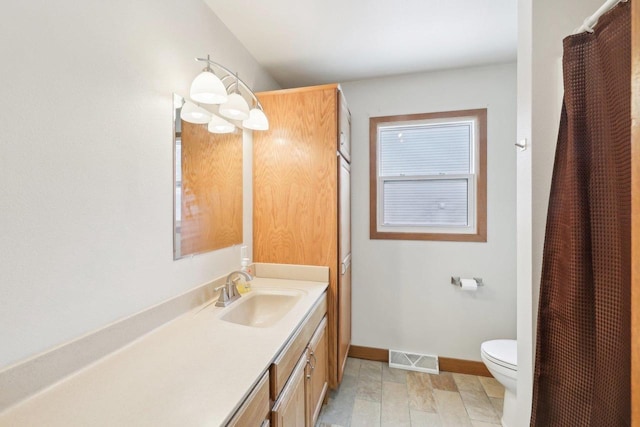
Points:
(501, 358)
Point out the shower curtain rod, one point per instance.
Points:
(591, 21)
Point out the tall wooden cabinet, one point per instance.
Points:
(301, 197)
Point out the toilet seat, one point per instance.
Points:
(501, 352)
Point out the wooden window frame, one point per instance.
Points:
(480, 234)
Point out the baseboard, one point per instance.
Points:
(462, 366)
(448, 364)
(369, 353)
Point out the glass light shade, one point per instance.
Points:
(257, 120)
(194, 114)
(236, 108)
(220, 125)
(207, 88)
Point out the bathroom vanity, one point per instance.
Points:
(296, 381)
(260, 361)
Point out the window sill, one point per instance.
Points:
(480, 236)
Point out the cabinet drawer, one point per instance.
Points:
(282, 367)
(255, 409)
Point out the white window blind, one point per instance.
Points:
(425, 150)
(429, 203)
(426, 176)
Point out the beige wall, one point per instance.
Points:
(86, 165)
(402, 296)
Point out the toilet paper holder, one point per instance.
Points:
(455, 280)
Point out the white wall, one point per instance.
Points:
(542, 24)
(86, 164)
(402, 296)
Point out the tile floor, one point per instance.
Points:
(372, 394)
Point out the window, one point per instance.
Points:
(428, 176)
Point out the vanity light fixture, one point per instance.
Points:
(220, 125)
(257, 120)
(236, 108)
(217, 84)
(207, 88)
(193, 113)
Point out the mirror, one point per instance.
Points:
(207, 212)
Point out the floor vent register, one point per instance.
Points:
(414, 362)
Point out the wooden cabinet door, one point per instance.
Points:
(289, 409)
(344, 210)
(317, 373)
(344, 125)
(344, 267)
(344, 310)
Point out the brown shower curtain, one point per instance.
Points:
(582, 370)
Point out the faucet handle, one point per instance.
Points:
(229, 291)
(233, 288)
(223, 298)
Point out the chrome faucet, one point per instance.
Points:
(229, 292)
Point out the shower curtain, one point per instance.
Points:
(582, 369)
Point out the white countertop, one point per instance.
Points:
(193, 371)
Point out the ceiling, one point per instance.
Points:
(306, 42)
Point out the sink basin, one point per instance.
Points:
(262, 309)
